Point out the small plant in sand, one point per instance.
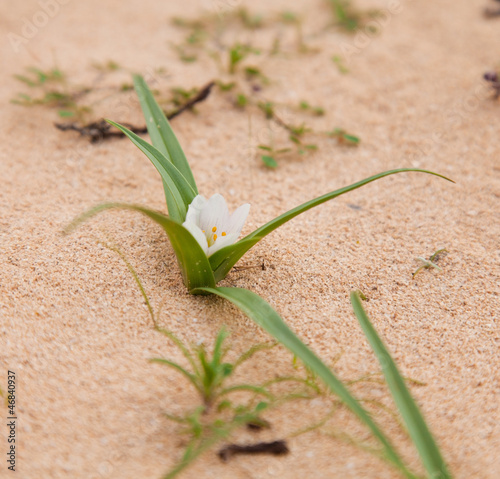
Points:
(209, 375)
(429, 263)
(218, 417)
(204, 237)
(52, 90)
(343, 137)
(348, 17)
(208, 35)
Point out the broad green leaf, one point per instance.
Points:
(221, 266)
(415, 423)
(160, 131)
(266, 317)
(195, 268)
(181, 191)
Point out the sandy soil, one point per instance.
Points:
(73, 325)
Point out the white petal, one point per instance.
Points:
(238, 219)
(221, 242)
(195, 209)
(197, 234)
(214, 213)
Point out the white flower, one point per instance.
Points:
(211, 224)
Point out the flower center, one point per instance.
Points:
(212, 236)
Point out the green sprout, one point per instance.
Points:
(37, 77)
(248, 20)
(429, 263)
(54, 93)
(237, 53)
(241, 100)
(346, 16)
(340, 64)
(208, 374)
(343, 137)
(271, 154)
(315, 110)
(204, 434)
(204, 237)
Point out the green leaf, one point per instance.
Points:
(165, 141)
(269, 161)
(266, 317)
(160, 131)
(234, 252)
(195, 268)
(224, 259)
(182, 194)
(65, 113)
(351, 138)
(417, 428)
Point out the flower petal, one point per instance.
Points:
(238, 219)
(198, 235)
(214, 213)
(195, 209)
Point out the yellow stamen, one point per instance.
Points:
(214, 229)
(223, 233)
(215, 237)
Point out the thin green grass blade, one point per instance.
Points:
(266, 317)
(195, 268)
(223, 260)
(247, 387)
(185, 351)
(192, 378)
(277, 222)
(160, 131)
(218, 353)
(179, 188)
(416, 425)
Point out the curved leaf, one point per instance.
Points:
(180, 190)
(195, 268)
(223, 260)
(160, 131)
(417, 428)
(266, 317)
(192, 378)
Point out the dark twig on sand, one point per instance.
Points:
(276, 448)
(101, 130)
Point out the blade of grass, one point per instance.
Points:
(192, 378)
(195, 268)
(224, 259)
(185, 351)
(417, 427)
(266, 317)
(181, 191)
(160, 131)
